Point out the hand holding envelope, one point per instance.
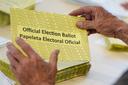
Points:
(101, 21)
(31, 69)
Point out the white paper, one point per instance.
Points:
(5, 80)
(3, 41)
(38, 1)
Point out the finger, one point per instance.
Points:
(53, 60)
(13, 69)
(77, 12)
(85, 24)
(88, 17)
(15, 52)
(82, 10)
(91, 31)
(13, 61)
(26, 48)
(125, 5)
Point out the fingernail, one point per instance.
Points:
(80, 24)
(8, 44)
(18, 40)
(69, 13)
(57, 51)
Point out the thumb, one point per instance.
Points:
(53, 60)
(85, 25)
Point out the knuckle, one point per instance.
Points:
(33, 60)
(25, 62)
(14, 52)
(54, 55)
(25, 46)
(99, 8)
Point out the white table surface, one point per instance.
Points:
(107, 66)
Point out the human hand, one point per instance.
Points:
(125, 5)
(31, 69)
(98, 20)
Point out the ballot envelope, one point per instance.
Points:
(48, 31)
(115, 44)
